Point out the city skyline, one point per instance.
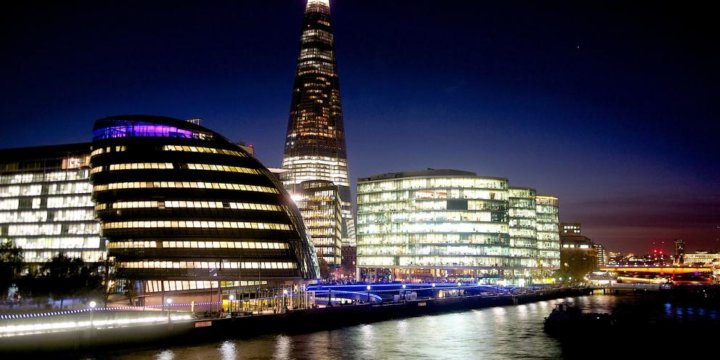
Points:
(616, 120)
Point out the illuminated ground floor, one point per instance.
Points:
(216, 296)
(484, 275)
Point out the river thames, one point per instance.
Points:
(508, 332)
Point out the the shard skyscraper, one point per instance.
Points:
(315, 143)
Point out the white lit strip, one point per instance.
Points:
(184, 185)
(319, 2)
(69, 325)
(199, 245)
(226, 168)
(206, 265)
(194, 224)
(187, 204)
(202, 149)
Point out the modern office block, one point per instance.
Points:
(547, 208)
(523, 229)
(45, 203)
(451, 225)
(319, 204)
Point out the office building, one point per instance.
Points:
(185, 210)
(578, 254)
(45, 203)
(547, 209)
(523, 229)
(452, 225)
(319, 204)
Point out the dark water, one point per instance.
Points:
(510, 332)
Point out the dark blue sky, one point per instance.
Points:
(612, 106)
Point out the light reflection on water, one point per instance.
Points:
(493, 333)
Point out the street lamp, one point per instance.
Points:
(403, 292)
(92, 305)
(368, 291)
(285, 292)
(232, 301)
(169, 302)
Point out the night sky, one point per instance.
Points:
(612, 106)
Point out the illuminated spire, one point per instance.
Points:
(321, 6)
(318, 2)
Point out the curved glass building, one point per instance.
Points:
(186, 210)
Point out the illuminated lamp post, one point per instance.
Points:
(284, 305)
(433, 290)
(92, 305)
(169, 302)
(232, 301)
(404, 296)
(368, 293)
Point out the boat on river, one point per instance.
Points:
(569, 320)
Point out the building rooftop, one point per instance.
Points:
(425, 173)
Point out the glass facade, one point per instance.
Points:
(523, 229)
(319, 204)
(548, 233)
(315, 142)
(446, 224)
(184, 209)
(45, 203)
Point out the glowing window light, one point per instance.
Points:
(140, 129)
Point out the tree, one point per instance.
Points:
(324, 267)
(64, 276)
(11, 263)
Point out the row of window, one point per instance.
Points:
(426, 216)
(210, 265)
(45, 216)
(89, 256)
(198, 245)
(75, 187)
(461, 250)
(159, 286)
(412, 195)
(141, 166)
(183, 185)
(187, 204)
(430, 261)
(429, 204)
(432, 183)
(89, 242)
(44, 177)
(307, 168)
(445, 227)
(91, 228)
(202, 149)
(226, 168)
(108, 149)
(194, 224)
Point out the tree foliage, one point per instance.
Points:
(66, 277)
(11, 264)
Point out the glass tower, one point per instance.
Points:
(315, 143)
